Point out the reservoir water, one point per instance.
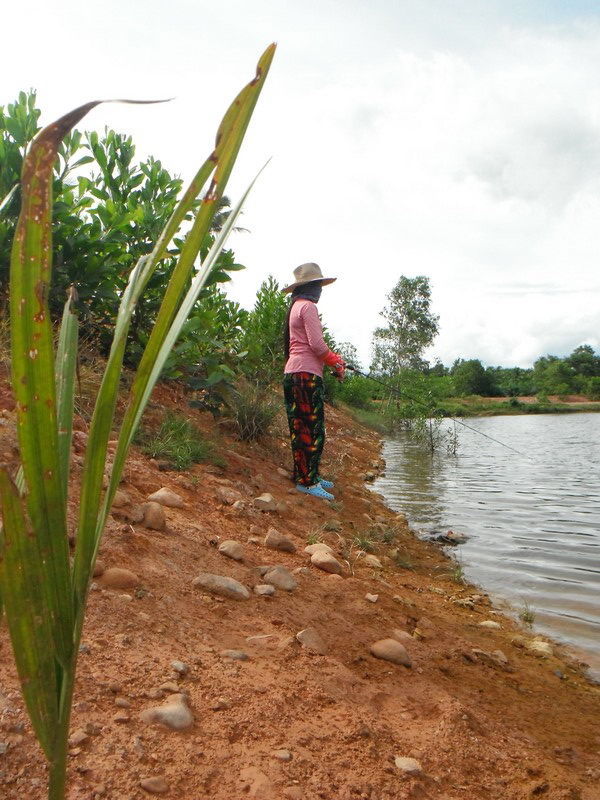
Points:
(533, 520)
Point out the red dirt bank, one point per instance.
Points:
(478, 727)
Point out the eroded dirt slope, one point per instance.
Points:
(482, 715)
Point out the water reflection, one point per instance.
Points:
(533, 519)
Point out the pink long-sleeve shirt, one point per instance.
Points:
(307, 346)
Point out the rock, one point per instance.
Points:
(236, 655)
(266, 502)
(490, 624)
(221, 704)
(168, 686)
(136, 514)
(540, 648)
(281, 507)
(373, 561)
(217, 584)
(180, 667)
(121, 717)
(98, 568)
(284, 473)
(314, 548)
(154, 516)
(167, 497)
(311, 639)
(499, 657)
(453, 538)
(372, 598)
(92, 729)
(232, 549)
(227, 495)
(277, 541)
(121, 499)
(370, 476)
(519, 641)
(282, 755)
(281, 578)
(119, 578)
(122, 702)
(325, 561)
(401, 636)
(496, 658)
(78, 738)
(264, 589)
(409, 765)
(301, 571)
(391, 650)
(154, 785)
(239, 505)
(174, 713)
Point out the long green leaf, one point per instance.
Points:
(34, 380)
(66, 363)
(29, 623)
(92, 519)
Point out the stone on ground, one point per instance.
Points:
(311, 639)
(280, 578)
(326, 562)
(264, 589)
(278, 541)
(154, 785)
(391, 650)
(232, 549)
(154, 516)
(266, 502)
(227, 495)
(121, 499)
(167, 497)
(119, 578)
(409, 765)
(319, 546)
(490, 624)
(174, 714)
(218, 584)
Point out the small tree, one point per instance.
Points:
(411, 327)
(263, 334)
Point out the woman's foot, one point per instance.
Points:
(316, 491)
(325, 484)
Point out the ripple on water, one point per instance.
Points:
(533, 520)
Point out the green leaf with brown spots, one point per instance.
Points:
(27, 614)
(93, 510)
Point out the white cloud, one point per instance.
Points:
(460, 141)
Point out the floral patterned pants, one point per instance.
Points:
(303, 393)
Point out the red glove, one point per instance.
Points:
(337, 362)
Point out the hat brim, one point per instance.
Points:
(322, 281)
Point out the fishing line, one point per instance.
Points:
(431, 408)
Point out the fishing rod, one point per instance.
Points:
(430, 408)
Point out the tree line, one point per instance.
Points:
(108, 211)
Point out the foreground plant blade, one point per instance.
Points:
(44, 603)
(26, 612)
(92, 512)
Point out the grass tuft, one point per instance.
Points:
(178, 442)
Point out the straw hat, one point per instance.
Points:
(306, 273)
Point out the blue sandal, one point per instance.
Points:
(316, 491)
(325, 484)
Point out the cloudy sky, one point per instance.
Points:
(457, 139)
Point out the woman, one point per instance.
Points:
(306, 353)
